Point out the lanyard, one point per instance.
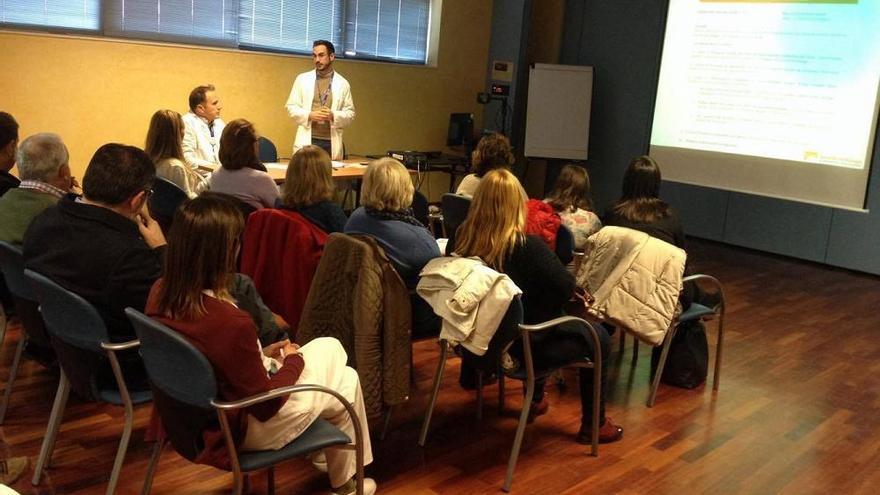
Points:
(326, 93)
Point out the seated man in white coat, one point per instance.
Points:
(320, 103)
(203, 128)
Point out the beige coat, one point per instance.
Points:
(635, 280)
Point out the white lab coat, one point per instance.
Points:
(299, 105)
(200, 149)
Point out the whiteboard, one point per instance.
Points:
(558, 114)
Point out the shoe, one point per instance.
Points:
(350, 487)
(11, 469)
(470, 383)
(538, 409)
(319, 460)
(608, 433)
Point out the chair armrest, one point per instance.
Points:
(550, 323)
(708, 280)
(131, 344)
(275, 393)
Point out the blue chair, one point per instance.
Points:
(268, 152)
(564, 244)
(80, 340)
(510, 330)
(185, 389)
(34, 334)
(455, 209)
(165, 200)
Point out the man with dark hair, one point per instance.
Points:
(105, 246)
(320, 103)
(8, 144)
(203, 128)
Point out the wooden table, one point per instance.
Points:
(353, 170)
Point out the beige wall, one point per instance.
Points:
(94, 91)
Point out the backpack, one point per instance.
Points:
(688, 360)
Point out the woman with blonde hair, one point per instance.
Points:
(163, 145)
(308, 189)
(494, 231)
(570, 198)
(241, 174)
(193, 299)
(386, 214)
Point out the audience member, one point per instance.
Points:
(8, 143)
(308, 189)
(386, 194)
(203, 128)
(242, 175)
(192, 298)
(493, 230)
(164, 146)
(570, 198)
(492, 152)
(45, 173)
(105, 247)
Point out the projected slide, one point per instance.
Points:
(787, 80)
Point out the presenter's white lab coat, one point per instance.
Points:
(299, 105)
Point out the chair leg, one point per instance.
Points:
(48, 446)
(13, 373)
(635, 357)
(270, 480)
(386, 422)
(652, 395)
(438, 377)
(151, 467)
(520, 430)
(122, 450)
(479, 395)
(4, 322)
(500, 391)
(716, 378)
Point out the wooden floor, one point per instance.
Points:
(798, 412)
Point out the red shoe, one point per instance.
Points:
(538, 409)
(608, 433)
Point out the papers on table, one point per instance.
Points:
(338, 164)
(276, 165)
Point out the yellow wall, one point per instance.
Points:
(95, 91)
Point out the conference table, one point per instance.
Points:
(351, 168)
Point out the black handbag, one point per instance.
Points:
(688, 360)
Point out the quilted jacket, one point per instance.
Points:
(635, 280)
(358, 298)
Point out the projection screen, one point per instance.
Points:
(776, 98)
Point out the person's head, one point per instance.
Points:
(203, 246)
(493, 151)
(572, 189)
(387, 186)
(165, 136)
(8, 141)
(496, 220)
(204, 102)
(640, 198)
(323, 55)
(309, 178)
(239, 146)
(44, 157)
(119, 177)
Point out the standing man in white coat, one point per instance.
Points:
(320, 103)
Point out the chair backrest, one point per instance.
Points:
(268, 152)
(455, 209)
(166, 198)
(564, 244)
(182, 381)
(506, 334)
(68, 317)
(12, 266)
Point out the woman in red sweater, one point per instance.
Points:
(193, 298)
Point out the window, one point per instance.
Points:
(75, 14)
(393, 30)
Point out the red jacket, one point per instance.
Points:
(280, 253)
(542, 221)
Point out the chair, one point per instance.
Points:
(695, 312)
(455, 209)
(185, 388)
(166, 198)
(420, 208)
(12, 266)
(79, 337)
(268, 152)
(564, 244)
(512, 326)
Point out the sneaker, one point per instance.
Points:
(11, 469)
(608, 433)
(319, 460)
(350, 487)
(538, 409)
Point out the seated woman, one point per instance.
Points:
(164, 139)
(492, 152)
(308, 189)
(493, 230)
(640, 208)
(192, 298)
(241, 174)
(570, 198)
